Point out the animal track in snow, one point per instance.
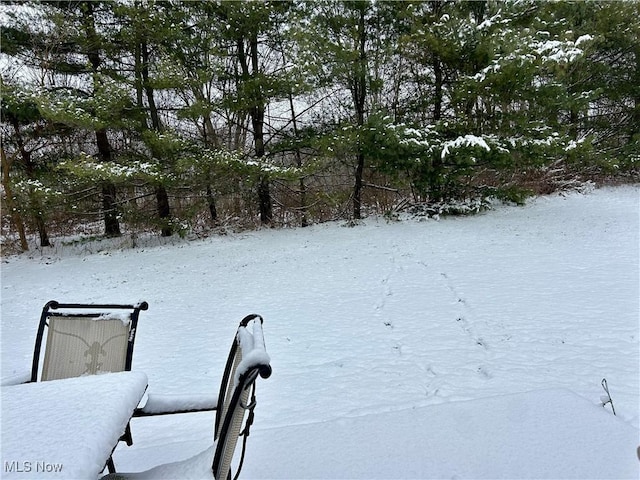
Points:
(387, 291)
(465, 311)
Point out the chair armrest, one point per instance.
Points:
(167, 404)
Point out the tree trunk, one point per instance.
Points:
(211, 138)
(16, 218)
(437, 101)
(303, 187)
(164, 212)
(148, 89)
(264, 194)
(138, 84)
(162, 198)
(357, 188)
(109, 206)
(359, 97)
(264, 197)
(635, 116)
(256, 112)
(34, 203)
(210, 135)
(437, 165)
(211, 203)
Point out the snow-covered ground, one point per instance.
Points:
(380, 317)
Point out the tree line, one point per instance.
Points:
(177, 116)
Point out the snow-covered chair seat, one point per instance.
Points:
(174, 403)
(247, 360)
(85, 339)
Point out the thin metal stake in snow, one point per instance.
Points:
(606, 399)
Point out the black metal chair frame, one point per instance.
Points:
(50, 310)
(246, 381)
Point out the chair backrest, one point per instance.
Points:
(247, 360)
(85, 339)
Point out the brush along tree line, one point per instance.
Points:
(174, 116)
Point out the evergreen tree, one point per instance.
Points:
(92, 49)
(117, 102)
(145, 35)
(344, 42)
(23, 134)
(65, 47)
(250, 36)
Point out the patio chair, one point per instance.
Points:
(247, 361)
(170, 404)
(86, 339)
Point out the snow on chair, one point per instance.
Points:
(86, 339)
(247, 360)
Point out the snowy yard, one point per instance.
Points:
(366, 320)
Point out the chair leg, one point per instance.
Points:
(126, 436)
